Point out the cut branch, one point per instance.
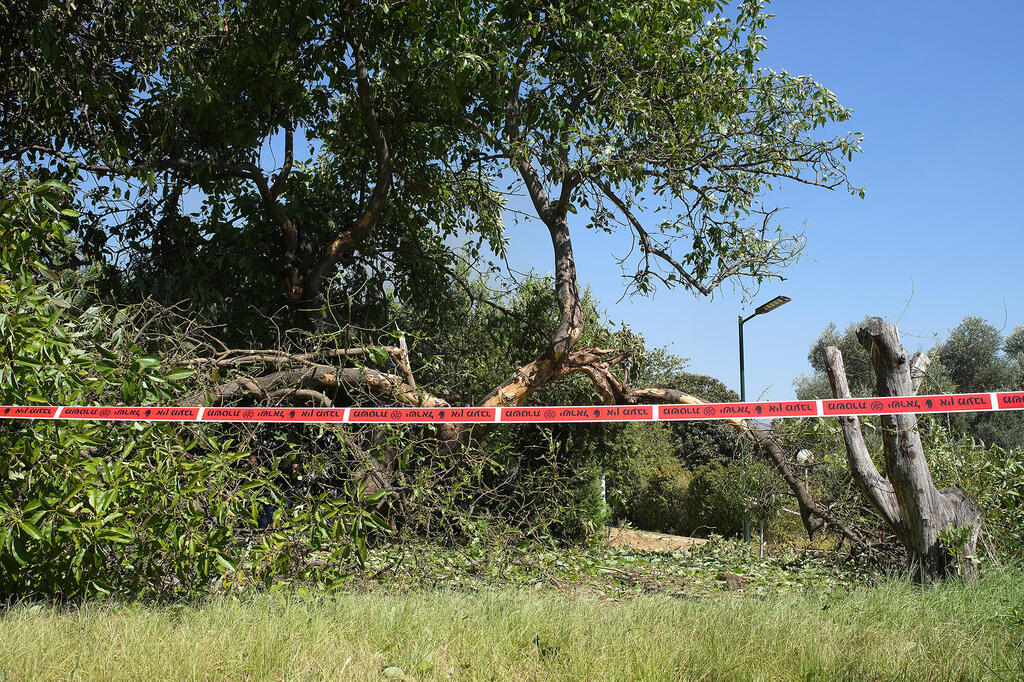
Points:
(248, 356)
(320, 378)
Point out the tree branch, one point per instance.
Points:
(345, 243)
(646, 244)
(318, 378)
(875, 487)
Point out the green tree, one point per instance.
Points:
(858, 364)
(416, 113)
(245, 155)
(1014, 344)
(973, 356)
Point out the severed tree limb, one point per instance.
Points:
(309, 382)
(248, 356)
(306, 393)
(321, 377)
(919, 364)
(404, 363)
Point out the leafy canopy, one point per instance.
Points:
(204, 135)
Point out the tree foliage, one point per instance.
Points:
(414, 114)
(978, 359)
(144, 510)
(858, 364)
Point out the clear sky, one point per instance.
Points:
(937, 89)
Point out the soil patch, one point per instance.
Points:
(644, 541)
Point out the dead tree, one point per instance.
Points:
(905, 496)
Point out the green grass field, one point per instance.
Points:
(892, 631)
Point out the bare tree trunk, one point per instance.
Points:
(906, 497)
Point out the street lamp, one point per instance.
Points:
(759, 310)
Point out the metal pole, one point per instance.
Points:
(743, 398)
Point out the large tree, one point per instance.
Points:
(653, 120)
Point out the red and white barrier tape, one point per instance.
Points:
(962, 402)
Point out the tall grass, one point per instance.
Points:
(896, 631)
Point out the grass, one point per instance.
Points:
(892, 631)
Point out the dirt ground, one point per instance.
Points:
(650, 542)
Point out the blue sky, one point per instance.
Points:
(937, 92)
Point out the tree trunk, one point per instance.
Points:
(906, 497)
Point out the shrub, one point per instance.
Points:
(992, 476)
(580, 513)
(715, 500)
(660, 506)
(720, 496)
(150, 510)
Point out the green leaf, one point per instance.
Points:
(56, 184)
(106, 354)
(30, 530)
(18, 551)
(26, 361)
(378, 355)
(116, 534)
(147, 361)
(225, 563)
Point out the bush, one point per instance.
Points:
(140, 510)
(715, 500)
(580, 512)
(721, 496)
(660, 506)
(992, 476)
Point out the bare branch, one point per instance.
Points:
(238, 356)
(319, 378)
(875, 487)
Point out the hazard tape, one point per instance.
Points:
(961, 402)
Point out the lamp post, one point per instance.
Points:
(759, 310)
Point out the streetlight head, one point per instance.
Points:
(772, 305)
